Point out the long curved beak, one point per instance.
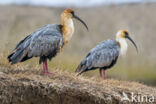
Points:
(128, 37)
(76, 17)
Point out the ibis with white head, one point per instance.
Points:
(105, 54)
(46, 42)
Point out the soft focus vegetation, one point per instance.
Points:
(16, 22)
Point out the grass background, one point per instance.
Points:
(16, 22)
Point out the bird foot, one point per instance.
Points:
(48, 73)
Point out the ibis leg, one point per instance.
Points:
(100, 72)
(104, 74)
(46, 68)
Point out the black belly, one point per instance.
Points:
(111, 65)
(104, 67)
(50, 56)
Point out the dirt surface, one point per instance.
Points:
(28, 87)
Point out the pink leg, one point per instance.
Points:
(46, 68)
(100, 71)
(104, 73)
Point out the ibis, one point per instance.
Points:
(105, 54)
(46, 42)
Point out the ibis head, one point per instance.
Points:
(67, 23)
(69, 13)
(121, 37)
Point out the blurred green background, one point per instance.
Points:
(16, 22)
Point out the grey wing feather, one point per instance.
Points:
(45, 42)
(41, 42)
(100, 56)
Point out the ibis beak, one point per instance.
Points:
(76, 17)
(128, 37)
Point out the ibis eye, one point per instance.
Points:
(126, 33)
(72, 12)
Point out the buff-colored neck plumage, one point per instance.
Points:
(120, 37)
(68, 26)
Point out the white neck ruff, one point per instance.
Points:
(123, 45)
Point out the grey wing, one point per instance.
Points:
(46, 43)
(101, 56)
(104, 44)
(42, 42)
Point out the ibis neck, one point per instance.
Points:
(123, 45)
(67, 29)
